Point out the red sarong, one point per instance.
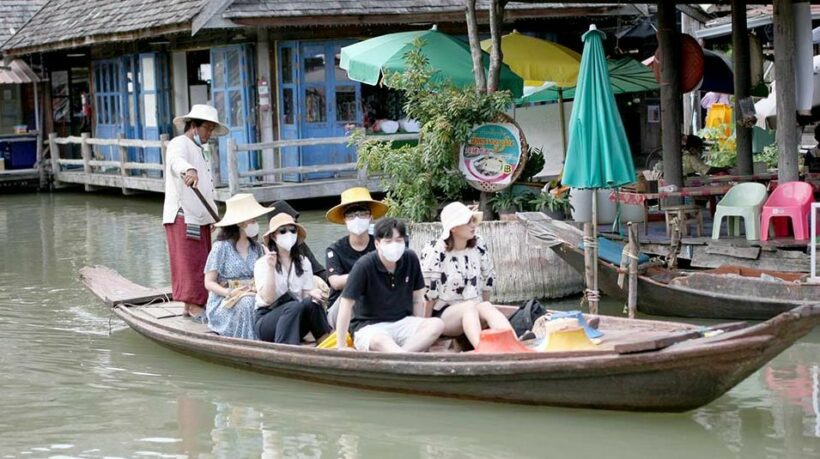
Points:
(188, 257)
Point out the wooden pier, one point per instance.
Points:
(267, 185)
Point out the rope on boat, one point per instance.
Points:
(163, 299)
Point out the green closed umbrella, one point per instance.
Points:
(625, 76)
(450, 58)
(598, 155)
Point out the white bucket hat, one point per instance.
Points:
(456, 214)
(241, 208)
(205, 113)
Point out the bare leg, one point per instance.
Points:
(427, 333)
(381, 342)
(493, 317)
(463, 318)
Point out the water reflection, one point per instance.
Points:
(71, 389)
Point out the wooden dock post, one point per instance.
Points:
(54, 150)
(632, 294)
(85, 148)
(163, 150)
(123, 150)
(233, 168)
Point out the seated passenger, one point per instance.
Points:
(229, 269)
(356, 212)
(460, 276)
(287, 304)
(387, 289)
(318, 268)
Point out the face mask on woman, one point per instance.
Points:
(252, 230)
(286, 241)
(358, 225)
(393, 251)
(197, 139)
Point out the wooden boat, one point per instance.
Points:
(723, 293)
(640, 365)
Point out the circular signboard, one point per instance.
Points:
(494, 155)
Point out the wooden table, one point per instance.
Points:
(640, 199)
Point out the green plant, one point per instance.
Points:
(546, 201)
(506, 201)
(417, 177)
(769, 155)
(723, 152)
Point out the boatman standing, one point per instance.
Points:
(186, 219)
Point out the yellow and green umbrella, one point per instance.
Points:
(538, 61)
(626, 75)
(369, 60)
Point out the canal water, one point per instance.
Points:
(75, 382)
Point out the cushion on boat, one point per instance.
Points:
(610, 251)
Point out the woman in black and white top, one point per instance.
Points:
(460, 276)
(288, 305)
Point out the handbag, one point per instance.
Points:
(524, 318)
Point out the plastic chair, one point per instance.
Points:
(792, 200)
(742, 201)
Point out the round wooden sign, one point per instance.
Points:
(494, 155)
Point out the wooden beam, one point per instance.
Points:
(784, 62)
(669, 45)
(743, 83)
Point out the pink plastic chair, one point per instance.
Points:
(793, 200)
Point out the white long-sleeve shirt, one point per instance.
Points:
(183, 154)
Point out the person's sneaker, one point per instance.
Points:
(200, 318)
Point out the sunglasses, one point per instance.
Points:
(286, 230)
(357, 214)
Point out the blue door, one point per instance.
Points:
(289, 113)
(108, 104)
(154, 102)
(324, 101)
(232, 92)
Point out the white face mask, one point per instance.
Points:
(197, 139)
(252, 230)
(392, 251)
(358, 226)
(286, 241)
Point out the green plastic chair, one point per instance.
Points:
(745, 201)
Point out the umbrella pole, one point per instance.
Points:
(563, 116)
(593, 295)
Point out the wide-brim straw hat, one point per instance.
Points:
(457, 214)
(205, 113)
(282, 219)
(357, 195)
(241, 208)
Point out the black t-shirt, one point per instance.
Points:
(382, 296)
(340, 260)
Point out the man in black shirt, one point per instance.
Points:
(356, 212)
(318, 268)
(384, 294)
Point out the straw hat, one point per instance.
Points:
(358, 195)
(280, 220)
(205, 113)
(241, 208)
(456, 214)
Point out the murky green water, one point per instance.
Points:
(74, 382)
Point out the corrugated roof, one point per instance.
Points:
(246, 9)
(68, 23)
(17, 72)
(15, 13)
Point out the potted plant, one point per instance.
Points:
(556, 207)
(506, 204)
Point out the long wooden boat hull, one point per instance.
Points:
(683, 375)
(703, 295)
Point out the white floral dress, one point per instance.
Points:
(458, 275)
(237, 321)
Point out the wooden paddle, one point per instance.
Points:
(203, 201)
(666, 341)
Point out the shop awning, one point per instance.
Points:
(17, 72)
